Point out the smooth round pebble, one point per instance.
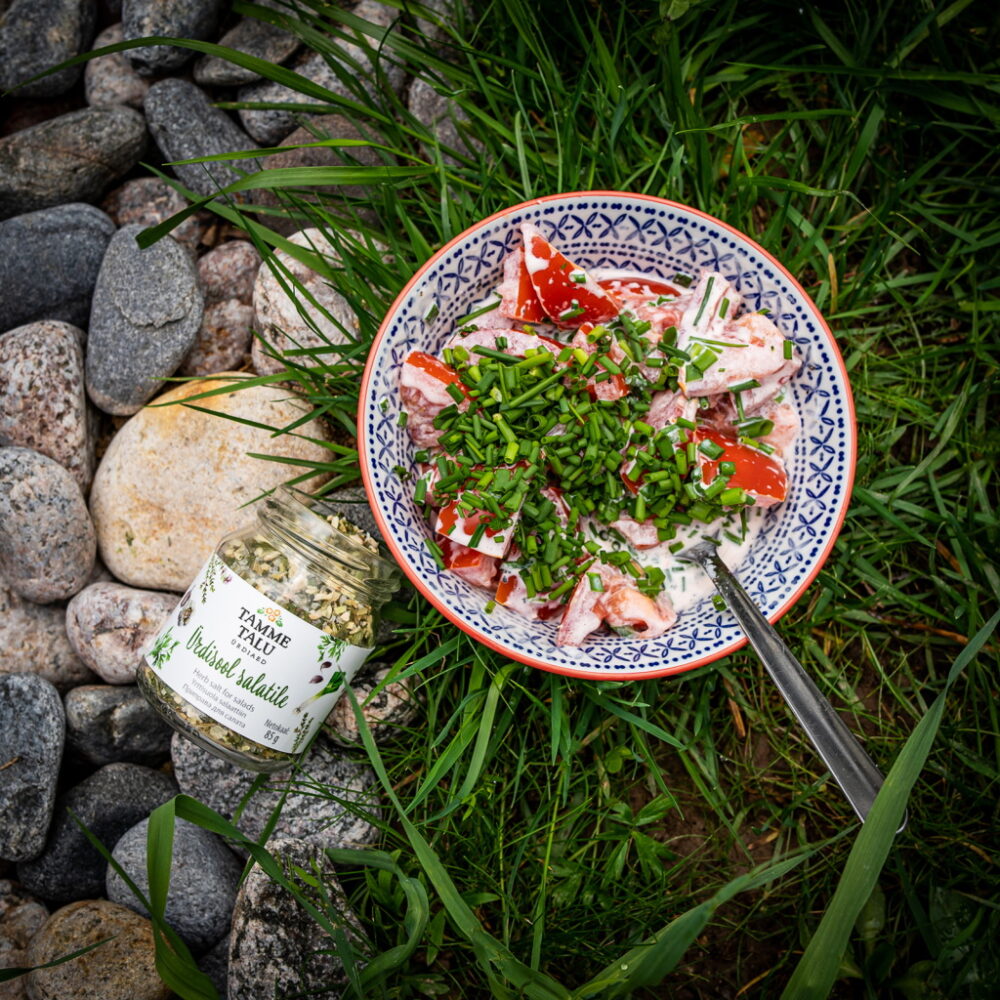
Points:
(276, 947)
(108, 803)
(223, 342)
(277, 313)
(52, 258)
(32, 727)
(176, 473)
(253, 37)
(391, 710)
(74, 157)
(149, 201)
(109, 723)
(305, 815)
(124, 968)
(185, 125)
(36, 35)
(111, 79)
(47, 540)
(109, 625)
(204, 876)
(33, 639)
(145, 316)
(21, 917)
(271, 126)
(447, 123)
(195, 19)
(43, 399)
(229, 271)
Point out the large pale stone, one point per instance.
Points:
(174, 480)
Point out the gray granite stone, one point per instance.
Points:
(145, 316)
(377, 71)
(74, 157)
(38, 34)
(276, 947)
(111, 79)
(43, 400)
(32, 729)
(446, 122)
(387, 712)
(47, 540)
(33, 640)
(149, 201)
(109, 625)
(109, 723)
(215, 965)
(253, 37)
(305, 815)
(108, 803)
(204, 876)
(49, 262)
(185, 125)
(195, 19)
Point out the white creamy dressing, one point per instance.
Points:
(687, 583)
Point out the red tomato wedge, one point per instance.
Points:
(646, 287)
(472, 566)
(517, 294)
(437, 369)
(568, 295)
(762, 476)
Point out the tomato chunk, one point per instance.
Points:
(518, 299)
(568, 295)
(472, 566)
(762, 476)
(436, 368)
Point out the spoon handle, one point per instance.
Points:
(850, 766)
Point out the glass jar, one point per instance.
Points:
(269, 634)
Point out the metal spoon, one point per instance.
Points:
(850, 766)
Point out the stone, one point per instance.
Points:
(52, 258)
(21, 917)
(204, 876)
(215, 965)
(149, 201)
(47, 540)
(227, 276)
(109, 625)
(276, 947)
(315, 129)
(124, 968)
(32, 729)
(174, 480)
(185, 125)
(278, 319)
(255, 38)
(36, 35)
(446, 122)
(33, 640)
(74, 157)
(387, 713)
(304, 814)
(111, 79)
(109, 723)
(145, 316)
(195, 19)
(378, 72)
(43, 400)
(108, 803)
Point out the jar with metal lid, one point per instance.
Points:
(270, 633)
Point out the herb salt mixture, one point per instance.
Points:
(270, 633)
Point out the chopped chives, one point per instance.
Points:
(723, 307)
(704, 300)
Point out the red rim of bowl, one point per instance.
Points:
(588, 674)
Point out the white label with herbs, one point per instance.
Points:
(249, 664)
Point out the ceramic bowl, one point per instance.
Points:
(608, 229)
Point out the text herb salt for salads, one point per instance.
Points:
(269, 634)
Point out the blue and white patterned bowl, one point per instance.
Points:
(608, 229)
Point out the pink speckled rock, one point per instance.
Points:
(228, 271)
(111, 79)
(148, 200)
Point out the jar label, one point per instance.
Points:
(251, 665)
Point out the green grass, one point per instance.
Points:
(553, 825)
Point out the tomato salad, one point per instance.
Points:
(579, 429)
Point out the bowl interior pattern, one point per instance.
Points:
(607, 230)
